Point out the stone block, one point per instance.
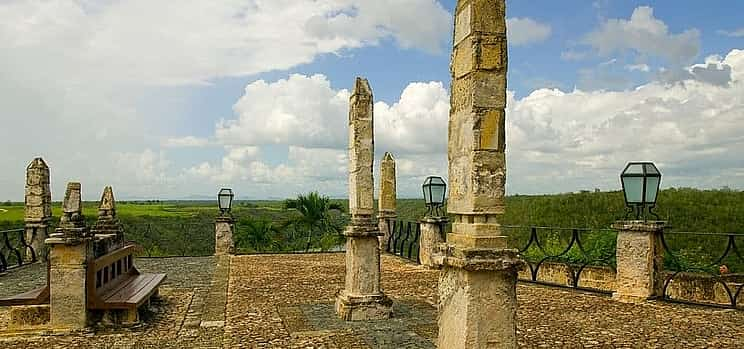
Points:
(431, 237)
(26, 316)
(477, 309)
(362, 266)
(639, 261)
(223, 234)
(363, 308)
(68, 299)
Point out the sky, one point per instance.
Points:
(173, 100)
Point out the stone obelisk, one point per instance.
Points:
(38, 208)
(108, 230)
(477, 284)
(362, 299)
(386, 202)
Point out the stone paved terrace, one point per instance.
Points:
(286, 301)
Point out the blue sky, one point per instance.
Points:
(174, 105)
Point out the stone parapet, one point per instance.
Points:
(639, 260)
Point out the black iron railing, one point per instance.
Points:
(404, 239)
(703, 268)
(15, 251)
(574, 248)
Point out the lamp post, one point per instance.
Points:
(434, 189)
(224, 200)
(223, 228)
(433, 223)
(641, 181)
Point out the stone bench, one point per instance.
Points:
(115, 286)
(36, 296)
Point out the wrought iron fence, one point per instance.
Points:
(704, 269)
(15, 251)
(404, 239)
(575, 249)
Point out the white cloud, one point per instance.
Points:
(638, 67)
(525, 31)
(185, 142)
(79, 79)
(738, 33)
(692, 129)
(646, 35)
(302, 111)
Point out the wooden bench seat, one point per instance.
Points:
(114, 283)
(37, 296)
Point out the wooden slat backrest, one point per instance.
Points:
(108, 271)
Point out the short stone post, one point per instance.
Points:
(223, 235)
(386, 202)
(639, 260)
(38, 208)
(108, 230)
(362, 298)
(477, 284)
(432, 229)
(70, 250)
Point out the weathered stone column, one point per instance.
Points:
(639, 260)
(362, 298)
(223, 236)
(38, 208)
(431, 238)
(477, 284)
(386, 203)
(70, 250)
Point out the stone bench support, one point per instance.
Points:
(639, 260)
(67, 282)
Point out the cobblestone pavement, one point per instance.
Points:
(286, 301)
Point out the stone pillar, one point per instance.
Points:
(70, 251)
(223, 236)
(430, 240)
(386, 203)
(477, 284)
(108, 230)
(38, 208)
(362, 298)
(639, 260)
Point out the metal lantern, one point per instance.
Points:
(641, 181)
(224, 199)
(434, 189)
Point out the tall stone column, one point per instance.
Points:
(70, 251)
(386, 204)
(639, 261)
(38, 208)
(477, 284)
(223, 236)
(362, 298)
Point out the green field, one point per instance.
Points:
(186, 227)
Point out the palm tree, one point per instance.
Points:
(259, 234)
(315, 218)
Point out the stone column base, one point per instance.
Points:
(477, 298)
(360, 308)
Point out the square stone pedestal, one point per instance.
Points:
(359, 308)
(362, 298)
(477, 298)
(639, 261)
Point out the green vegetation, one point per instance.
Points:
(187, 227)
